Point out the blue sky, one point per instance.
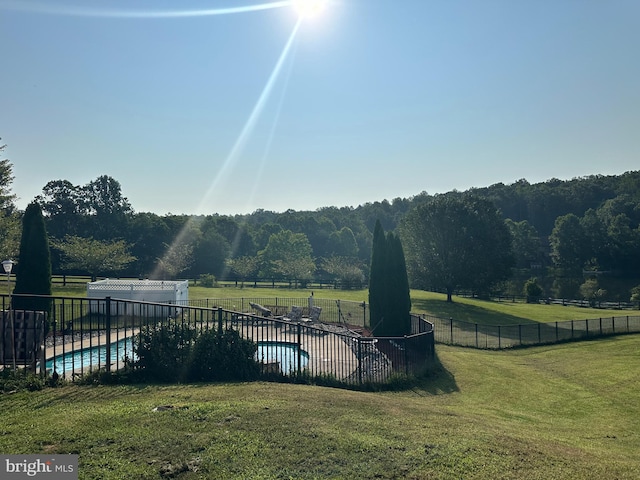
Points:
(372, 99)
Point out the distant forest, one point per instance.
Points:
(565, 234)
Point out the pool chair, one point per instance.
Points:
(265, 312)
(314, 314)
(295, 315)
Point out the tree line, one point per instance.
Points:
(578, 238)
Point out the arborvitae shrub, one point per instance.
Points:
(223, 356)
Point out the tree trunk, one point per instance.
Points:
(449, 293)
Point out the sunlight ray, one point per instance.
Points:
(251, 121)
(49, 9)
(272, 131)
(266, 152)
(240, 141)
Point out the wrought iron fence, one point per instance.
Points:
(82, 334)
(333, 311)
(466, 334)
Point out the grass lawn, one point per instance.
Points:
(463, 309)
(567, 411)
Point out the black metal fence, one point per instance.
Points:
(354, 314)
(465, 334)
(82, 334)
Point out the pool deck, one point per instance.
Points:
(89, 342)
(329, 354)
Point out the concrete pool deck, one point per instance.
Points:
(91, 340)
(328, 353)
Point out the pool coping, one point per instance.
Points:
(328, 352)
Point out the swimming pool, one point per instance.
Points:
(286, 354)
(91, 357)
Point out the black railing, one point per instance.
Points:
(466, 334)
(354, 314)
(82, 334)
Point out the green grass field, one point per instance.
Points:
(462, 309)
(568, 411)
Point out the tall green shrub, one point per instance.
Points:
(176, 353)
(223, 356)
(33, 272)
(532, 290)
(377, 281)
(164, 351)
(398, 294)
(389, 296)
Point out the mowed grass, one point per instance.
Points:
(473, 310)
(567, 411)
(463, 309)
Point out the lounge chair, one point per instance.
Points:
(265, 312)
(314, 314)
(295, 315)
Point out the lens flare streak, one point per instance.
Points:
(47, 9)
(242, 137)
(253, 118)
(247, 130)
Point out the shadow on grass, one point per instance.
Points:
(437, 380)
(466, 313)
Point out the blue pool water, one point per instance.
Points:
(91, 357)
(284, 353)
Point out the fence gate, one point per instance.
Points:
(21, 337)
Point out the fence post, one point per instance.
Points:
(520, 333)
(477, 336)
(299, 349)
(600, 326)
(539, 334)
(557, 332)
(451, 328)
(499, 338)
(586, 322)
(406, 357)
(108, 328)
(364, 314)
(571, 329)
(359, 361)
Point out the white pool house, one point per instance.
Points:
(156, 291)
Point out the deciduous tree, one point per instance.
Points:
(288, 255)
(94, 257)
(7, 198)
(244, 267)
(346, 270)
(64, 207)
(9, 217)
(569, 244)
(456, 243)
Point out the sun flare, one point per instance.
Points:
(309, 8)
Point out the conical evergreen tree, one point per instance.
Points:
(389, 295)
(377, 285)
(398, 297)
(33, 275)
